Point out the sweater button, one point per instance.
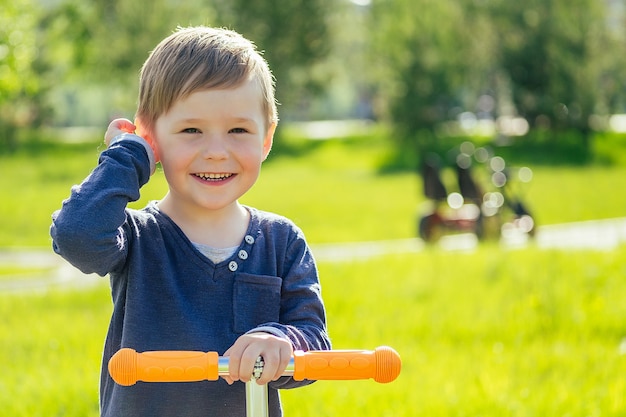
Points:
(243, 255)
(232, 265)
(249, 239)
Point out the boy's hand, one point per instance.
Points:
(117, 127)
(276, 353)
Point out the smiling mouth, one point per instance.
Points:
(213, 177)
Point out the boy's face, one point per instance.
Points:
(211, 145)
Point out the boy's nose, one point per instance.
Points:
(214, 147)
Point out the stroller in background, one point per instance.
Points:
(487, 214)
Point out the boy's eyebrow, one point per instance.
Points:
(190, 121)
(237, 119)
(243, 119)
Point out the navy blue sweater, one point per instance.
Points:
(169, 296)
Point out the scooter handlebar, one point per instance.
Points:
(382, 364)
(128, 366)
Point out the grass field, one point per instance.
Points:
(491, 333)
(522, 333)
(487, 333)
(334, 192)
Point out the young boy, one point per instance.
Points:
(196, 270)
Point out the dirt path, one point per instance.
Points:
(597, 234)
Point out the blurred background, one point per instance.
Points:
(428, 68)
(385, 107)
(538, 84)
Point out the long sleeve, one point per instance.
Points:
(88, 231)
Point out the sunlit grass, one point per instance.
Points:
(32, 186)
(524, 333)
(9, 272)
(492, 332)
(51, 348)
(560, 195)
(333, 191)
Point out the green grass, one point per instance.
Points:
(51, 348)
(9, 272)
(567, 194)
(523, 333)
(488, 333)
(332, 190)
(516, 333)
(32, 185)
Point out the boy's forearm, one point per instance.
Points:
(87, 229)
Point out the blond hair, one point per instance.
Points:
(200, 58)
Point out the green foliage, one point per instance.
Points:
(551, 62)
(540, 147)
(427, 59)
(552, 51)
(544, 147)
(415, 63)
(108, 43)
(113, 38)
(90, 52)
(17, 49)
(20, 85)
(610, 149)
(293, 35)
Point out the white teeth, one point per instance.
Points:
(213, 177)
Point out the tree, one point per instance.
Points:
(559, 59)
(110, 39)
(105, 42)
(293, 34)
(431, 57)
(553, 53)
(20, 67)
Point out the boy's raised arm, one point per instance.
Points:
(90, 230)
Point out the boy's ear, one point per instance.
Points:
(147, 135)
(268, 140)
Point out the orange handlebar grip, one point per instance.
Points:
(126, 367)
(382, 364)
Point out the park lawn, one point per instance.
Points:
(322, 192)
(333, 191)
(12, 272)
(491, 332)
(33, 184)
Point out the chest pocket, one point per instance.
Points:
(256, 300)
